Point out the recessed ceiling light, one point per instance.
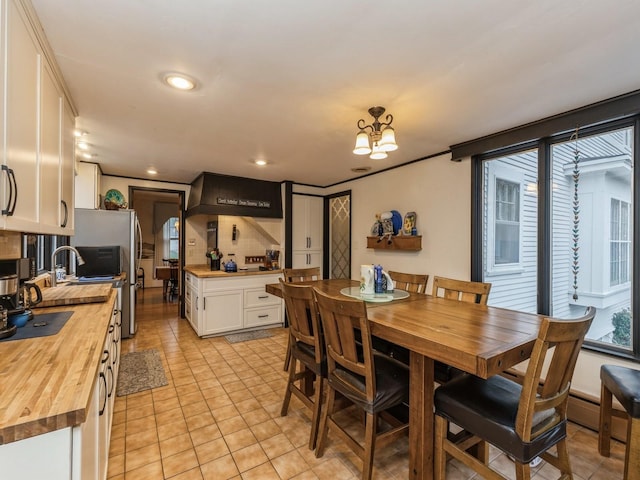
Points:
(179, 81)
(260, 162)
(88, 155)
(83, 145)
(79, 133)
(152, 171)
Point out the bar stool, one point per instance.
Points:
(624, 384)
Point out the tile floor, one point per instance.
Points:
(219, 417)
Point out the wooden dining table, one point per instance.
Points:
(477, 339)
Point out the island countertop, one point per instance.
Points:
(204, 271)
(46, 383)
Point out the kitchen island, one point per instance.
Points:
(57, 393)
(217, 302)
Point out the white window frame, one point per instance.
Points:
(620, 241)
(495, 173)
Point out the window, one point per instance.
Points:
(507, 222)
(620, 243)
(567, 224)
(171, 238)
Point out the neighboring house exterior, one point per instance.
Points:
(603, 229)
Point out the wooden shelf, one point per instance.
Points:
(399, 242)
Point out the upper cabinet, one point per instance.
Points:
(36, 191)
(307, 222)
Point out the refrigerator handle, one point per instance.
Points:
(139, 253)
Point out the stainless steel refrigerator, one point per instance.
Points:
(95, 228)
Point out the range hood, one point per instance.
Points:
(215, 194)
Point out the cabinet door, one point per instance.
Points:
(306, 260)
(306, 219)
(222, 312)
(315, 207)
(67, 174)
(23, 65)
(50, 150)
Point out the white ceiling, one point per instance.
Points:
(287, 80)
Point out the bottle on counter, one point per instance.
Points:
(378, 279)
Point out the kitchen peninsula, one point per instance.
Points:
(218, 302)
(57, 393)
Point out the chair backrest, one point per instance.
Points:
(551, 395)
(341, 318)
(411, 282)
(292, 275)
(302, 313)
(464, 291)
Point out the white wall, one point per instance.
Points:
(439, 191)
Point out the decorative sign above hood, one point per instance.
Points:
(215, 194)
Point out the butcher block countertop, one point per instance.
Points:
(74, 295)
(204, 271)
(46, 383)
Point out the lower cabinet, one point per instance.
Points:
(74, 453)
(226, 304)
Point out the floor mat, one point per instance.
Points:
(243, 337)
(140, 371)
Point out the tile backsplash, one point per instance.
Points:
(248, 242)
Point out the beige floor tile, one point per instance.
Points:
(231, 425)
(179, 463)
(143, 456)
(195, 408)
(249, 457)
(211, 450)
(276, 446)
(256, 416)
(172, 429)
(240, 439)
(261, 472)
(141, 424)
(153, 470)
(219, 469)
(225, 412)
(176, 444)
(193, 474)
(138, 440)
(166, 404)
(200, 420)
(265, 430)
(116, 465)
(290, 464)
(205, 434)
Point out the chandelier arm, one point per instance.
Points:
(389, 119)
(362, 126)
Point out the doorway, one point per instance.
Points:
(160, 213)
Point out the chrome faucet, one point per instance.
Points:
(53, 261)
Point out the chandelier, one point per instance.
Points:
(383, 137)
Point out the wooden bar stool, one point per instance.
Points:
(624, 384)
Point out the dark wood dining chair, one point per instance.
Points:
(462, 290)
(522, 420)
(373, 383)
(307, 348)
(294, 275)
(624, 384)
(411, 282)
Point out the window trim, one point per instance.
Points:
(545, 173)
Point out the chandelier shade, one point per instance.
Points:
(380, 139)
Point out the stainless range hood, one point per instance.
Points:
(215, 194)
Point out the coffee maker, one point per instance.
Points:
(13, 275)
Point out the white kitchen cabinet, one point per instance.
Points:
(87, 187)
(307, 222)
(224, 304)
(67, 172)
(33, 168)
(307, 218)
(222, 311)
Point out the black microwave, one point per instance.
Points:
(99, 261)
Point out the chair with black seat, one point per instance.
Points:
(307, 347)
(295, 275)
(624, 384)
(373, 383)
(524, 421)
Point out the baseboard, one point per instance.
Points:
(585, 412)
